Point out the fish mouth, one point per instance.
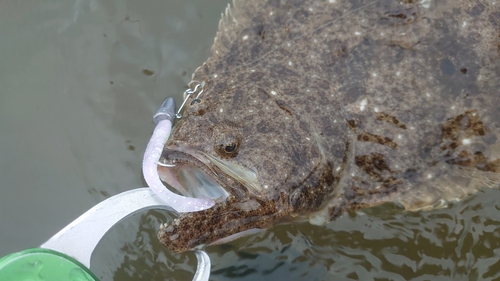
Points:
(190, 174)
(197, 174)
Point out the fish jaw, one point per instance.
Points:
(224, 222)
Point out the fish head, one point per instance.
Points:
(243, 149)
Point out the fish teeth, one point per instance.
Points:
(170, 228)
(163, 226)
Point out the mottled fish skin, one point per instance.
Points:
(338, 105)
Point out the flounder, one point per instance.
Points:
(309, 109)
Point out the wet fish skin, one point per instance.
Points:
(340, 105)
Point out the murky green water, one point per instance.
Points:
(80, 81)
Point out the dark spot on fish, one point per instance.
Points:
(336, 50)
(293, 91)
(353, 93)
(490, 138)
(270, 167)
(264, 127)
(301, 16)
(467, 123)
(329, 130)
(220, 87)
(338, 150)
(463, 70)
(285, 108)
(438, 112)
(274, 3)
(310, 194)
(213, 119)
(299, 157)
(411, 174)
(256, 76)
(372, 163)
(352, 125)
(390, 119)
(336, 211)
(476, 10)
(294, 3)
(231, 59)
(148, 72)
(256, 51)
(304, 126)
(447, 67)
(201, 112)
(379, 162)
(472, 90)
(399, 16)
(477, 160)
(323, 84)
(367, 137)
(262, 91)
(279, 71)
(328, 176)
(350, 193)
(131, 147)
(462, 126)
(260, 30)
(361, 194)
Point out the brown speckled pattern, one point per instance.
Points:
(338, 105)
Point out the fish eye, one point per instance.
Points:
(227, 144)
(230, 148)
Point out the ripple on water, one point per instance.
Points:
(460, 242)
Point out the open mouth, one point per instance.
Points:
(194, 173)
(200, 175)
(189, 175)
(198, 184)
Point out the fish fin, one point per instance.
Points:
(251, 30)
(237, 18)
(454, 186)
(235, 236)
(234, 20)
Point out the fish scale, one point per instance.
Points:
(311, 109)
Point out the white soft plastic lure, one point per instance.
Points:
(163, 119)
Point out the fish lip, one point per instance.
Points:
(174, 157)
